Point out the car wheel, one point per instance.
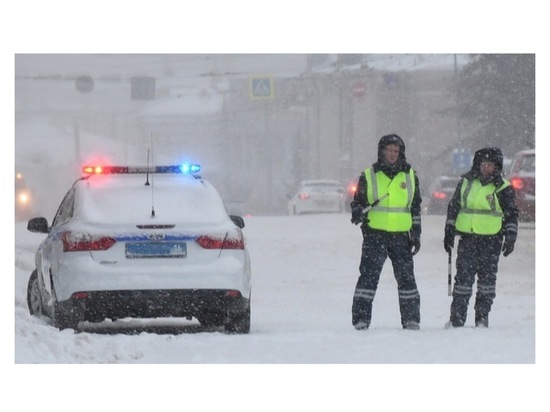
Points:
(34, 297)
(238, 322)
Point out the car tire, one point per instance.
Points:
(34, 297)
(238, 322)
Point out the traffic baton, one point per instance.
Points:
(450, 273)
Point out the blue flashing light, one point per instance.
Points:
(188, 168)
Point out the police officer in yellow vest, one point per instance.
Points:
(387, 204)
(482, 212)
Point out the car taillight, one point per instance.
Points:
(303, 196)
(80, 295)
(73, 242)
(212, 242)
(517, 183)
(440, 195)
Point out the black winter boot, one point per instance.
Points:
(482, 321)
(455, 323)
(361, 325)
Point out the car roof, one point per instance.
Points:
(127, 199)
(526, 152)
(321, 182)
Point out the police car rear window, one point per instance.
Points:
(126, 199)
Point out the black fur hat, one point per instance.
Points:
(391, 139)
(488, 154)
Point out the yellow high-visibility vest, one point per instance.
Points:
(392, 214)
(480, 211)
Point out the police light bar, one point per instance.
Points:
(186, 168)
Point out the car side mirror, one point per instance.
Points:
(38, 225)
(239, 221)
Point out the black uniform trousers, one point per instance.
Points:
(477, 255)
(377, 247)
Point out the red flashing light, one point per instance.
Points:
(303, 196)
(517, 183)
(82, 243)
(440, 195)
(106, 170)
(211, 242)
(93, 170)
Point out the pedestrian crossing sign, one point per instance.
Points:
(261, 87)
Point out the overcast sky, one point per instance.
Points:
(247, 27)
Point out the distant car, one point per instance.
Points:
(440, 192)
(141, 242)
(317, 196)
(23, 199)
(522, 179)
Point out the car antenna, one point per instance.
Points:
(147, 177)
(223, 243)
(152, 180)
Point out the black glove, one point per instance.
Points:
(414, 239)
(511, 234)
(356, 215)
(449, 241)
(508, 246)
(414, 244)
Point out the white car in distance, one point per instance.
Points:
(317, 196)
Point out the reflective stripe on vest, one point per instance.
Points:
(480, 211)
(393, 214)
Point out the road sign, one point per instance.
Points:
(261, 87)
(84, 84)
(358, 89)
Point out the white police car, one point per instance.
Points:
(142, 242)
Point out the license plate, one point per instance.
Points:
(156, 250)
